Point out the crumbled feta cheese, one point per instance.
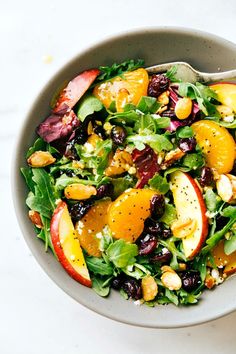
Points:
(88, 147)
(132, 170)
(165, 250)
(228, 119)
(210, 214)
(98, 235)
(138, 302)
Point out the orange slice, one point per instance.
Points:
(128, 88)
(217, 144)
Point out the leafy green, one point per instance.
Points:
(228, 212)
(87, 106)
(105, 148)
(124, 118)
(99, 266)
(184, 132)
(28, 175)
(185, 298)
(64, 180)
(156, 141)
(228, 125)
(148, 104)
(100, 286)
(43, 199)
(212, 200)
(45, 235)
(193, 161)
(108, 72)
(39, 144)
(230, 244)
(172, 296)
(200, 264)
(159, 183)
(202, 94)
(121, 184)
(121, 253)
(170, 214)
(170, 74)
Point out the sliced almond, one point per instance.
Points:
(149, 288)
(224, 188)
(171, 280)
(79, 191)
(35, 218)
(41, 159)
(172, 156)
(183, 228)
(163, 98)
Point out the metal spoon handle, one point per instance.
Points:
(224, 75)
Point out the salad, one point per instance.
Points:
(132, 183)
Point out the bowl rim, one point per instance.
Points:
(14, 171)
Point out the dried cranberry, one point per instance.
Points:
(80, 135)
(117, 282)
(78, 210)
(207, 178)
(152, 227)
(99, 130)
(221, 221)
(147, 244)
(132, 288)
(158, 84)
(166, 233)
(157, 206)
(162, 257)
(187, 144)
(190, 280)
(105, 190)
(118, 135)
(146, 164)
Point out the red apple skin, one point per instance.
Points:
(204, 217)
(54, 230)
(75, 90)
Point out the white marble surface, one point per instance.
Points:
(35, 315)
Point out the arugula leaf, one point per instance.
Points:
(100, 287)
(39, 144)
(105, 147)
(126, 118)
(200, 264)
(202, 94)
(87, 106)
(99, 266)
(159, 183)
(121, 184)
(108, 72)
(64, 180)
(170, 74)
(172, 297)
(170, 244)
(230, 245)
(186, 298)
(121, 253)
(193, 161)
(228, 125)
(184, 132)
(28, 175)
(45, 235)
(170, 214)
(212, 200)
(228, 212)
(148, 104)
(156, 141)
(43, 199)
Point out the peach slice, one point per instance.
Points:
(190, 205)
(128, 212)
(226, 93)
(67, 246)
(217, 144)
(92, 223)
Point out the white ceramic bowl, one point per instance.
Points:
(205, 52)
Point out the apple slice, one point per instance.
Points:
(223, 260)
(66, 245)
(190, 205)
(75, 90)
(226, 93)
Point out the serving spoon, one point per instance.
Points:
(187, 73)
